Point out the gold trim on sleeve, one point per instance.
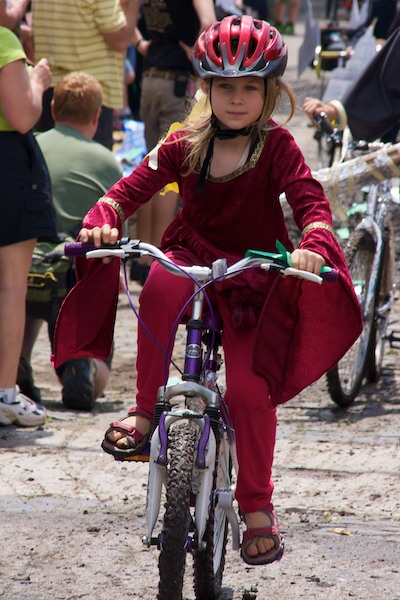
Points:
(317, 225)
(115, 205)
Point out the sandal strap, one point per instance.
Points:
(252, 532)
(271, 531)
(140, 412)
(122, 428)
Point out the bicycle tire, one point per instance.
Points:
(177, 519)
(209, 562)
(345, 380)
(384, 290)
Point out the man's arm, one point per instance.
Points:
(12, 14)
(206, 14)
(120, 40)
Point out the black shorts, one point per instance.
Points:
(25, 192)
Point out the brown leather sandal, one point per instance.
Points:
(138, 442)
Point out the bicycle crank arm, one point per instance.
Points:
(225, 501)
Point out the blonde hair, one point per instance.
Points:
(197, 128)
(77, 98)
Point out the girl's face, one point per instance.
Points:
(237, 102)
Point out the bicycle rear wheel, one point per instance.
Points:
(344, 381)
(177, 519)
(209, 562)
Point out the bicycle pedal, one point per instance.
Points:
(144, 457)
(139, 458)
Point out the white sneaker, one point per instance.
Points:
(23, 411)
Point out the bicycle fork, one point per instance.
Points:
(204, 462)
(206, 450)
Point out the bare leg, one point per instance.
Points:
(101, 377)
(294, 8)
(15, 261)
(32, 330)
(154, 217)
(280, 12)
(164, 210)
(143, 225)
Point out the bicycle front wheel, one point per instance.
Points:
(344, 381)
(209, 559)
(177, 519)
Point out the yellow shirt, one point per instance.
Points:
(10, 51)
(69, 34)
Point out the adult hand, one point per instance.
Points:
(313, 105)
(41, 75)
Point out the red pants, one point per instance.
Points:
(247, 394)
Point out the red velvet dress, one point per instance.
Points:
(287, 332)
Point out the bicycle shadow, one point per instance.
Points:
(374, 400)
(314, 405)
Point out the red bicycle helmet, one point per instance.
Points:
(239, 46)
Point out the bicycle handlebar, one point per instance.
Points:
(322, 121)
(131, 248)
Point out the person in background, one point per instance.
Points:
(370, 106)
(89, 37)
(382, 14)
(80, 170)
(15, 14)
(172, 28)
(232, 162)
(12, 12)
(26, 213)
(286, 13)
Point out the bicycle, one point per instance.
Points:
(192, 448)
(370, 256)
(329, 141)
(365, 224)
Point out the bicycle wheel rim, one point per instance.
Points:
(209, 562)
(345, 380)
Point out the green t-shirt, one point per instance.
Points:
(10, 51)
(81, 171)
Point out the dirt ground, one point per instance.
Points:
(72, 518)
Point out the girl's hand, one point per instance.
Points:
(100, 235)
(306, 260)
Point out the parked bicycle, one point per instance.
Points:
(329, 141)
(370, 256)
(192, 447)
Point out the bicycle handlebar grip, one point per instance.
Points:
(331, 276)
(323, 122)
(78, 248)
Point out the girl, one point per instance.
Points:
(231, 163)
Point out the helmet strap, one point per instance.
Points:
(221, 134)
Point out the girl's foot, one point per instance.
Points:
(259, 545)
(141, 424)
(262, 542)
(130, 437)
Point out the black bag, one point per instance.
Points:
(50, 278)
